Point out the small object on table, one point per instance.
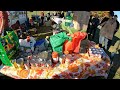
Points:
(55, 57)
(15, 64)
(22, 65)
(28, 64)
(23, 73)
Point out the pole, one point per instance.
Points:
(26, 14)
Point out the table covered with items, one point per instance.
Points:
(56, 57)
(81, 67)
(46, 63)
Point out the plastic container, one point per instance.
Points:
(62, 59)
(55, 57)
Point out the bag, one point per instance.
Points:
(41, 44)
(58, 40)
(69, 29)
(68, 20)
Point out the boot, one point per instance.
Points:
(100, 45)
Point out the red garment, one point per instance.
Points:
(1, 17)
(77, 37)
(5, 17)
(74, 45)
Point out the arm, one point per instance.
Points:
(98, 22)
(117, 27)
(102, 24)
(2, 25)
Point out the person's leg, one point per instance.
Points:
(91, 29)
(89, 34)
(109, 43)
(106, 43)
(94, 31)
(42, 20)
(101, 40)
(88, 29)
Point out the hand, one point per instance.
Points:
(68, 34)
(99, 27)
(90, 23)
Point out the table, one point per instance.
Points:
(76, 66)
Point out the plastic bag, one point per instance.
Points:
(3, 56)
(58, 40)
(69, 29)
(68, 20)
(74, 45)
(39, 42)
(41, 45)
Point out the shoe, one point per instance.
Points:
(100, 45)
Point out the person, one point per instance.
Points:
(104, 19)
(31, 22)
(42, 18)
(1, 22)
(59, 14)
(27, 23)
(107, 31)
(4, 22)
(89, 24)
(52, 14)
(62, 15)
(94, 24)
(115, 47)
(117, 27)
(56, 14)
(115, 43)
(48, 16)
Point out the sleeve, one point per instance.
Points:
(104, 20)
(102, 24)
(117, 25)
(98, 21)
(1, 21)
(33, 40)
